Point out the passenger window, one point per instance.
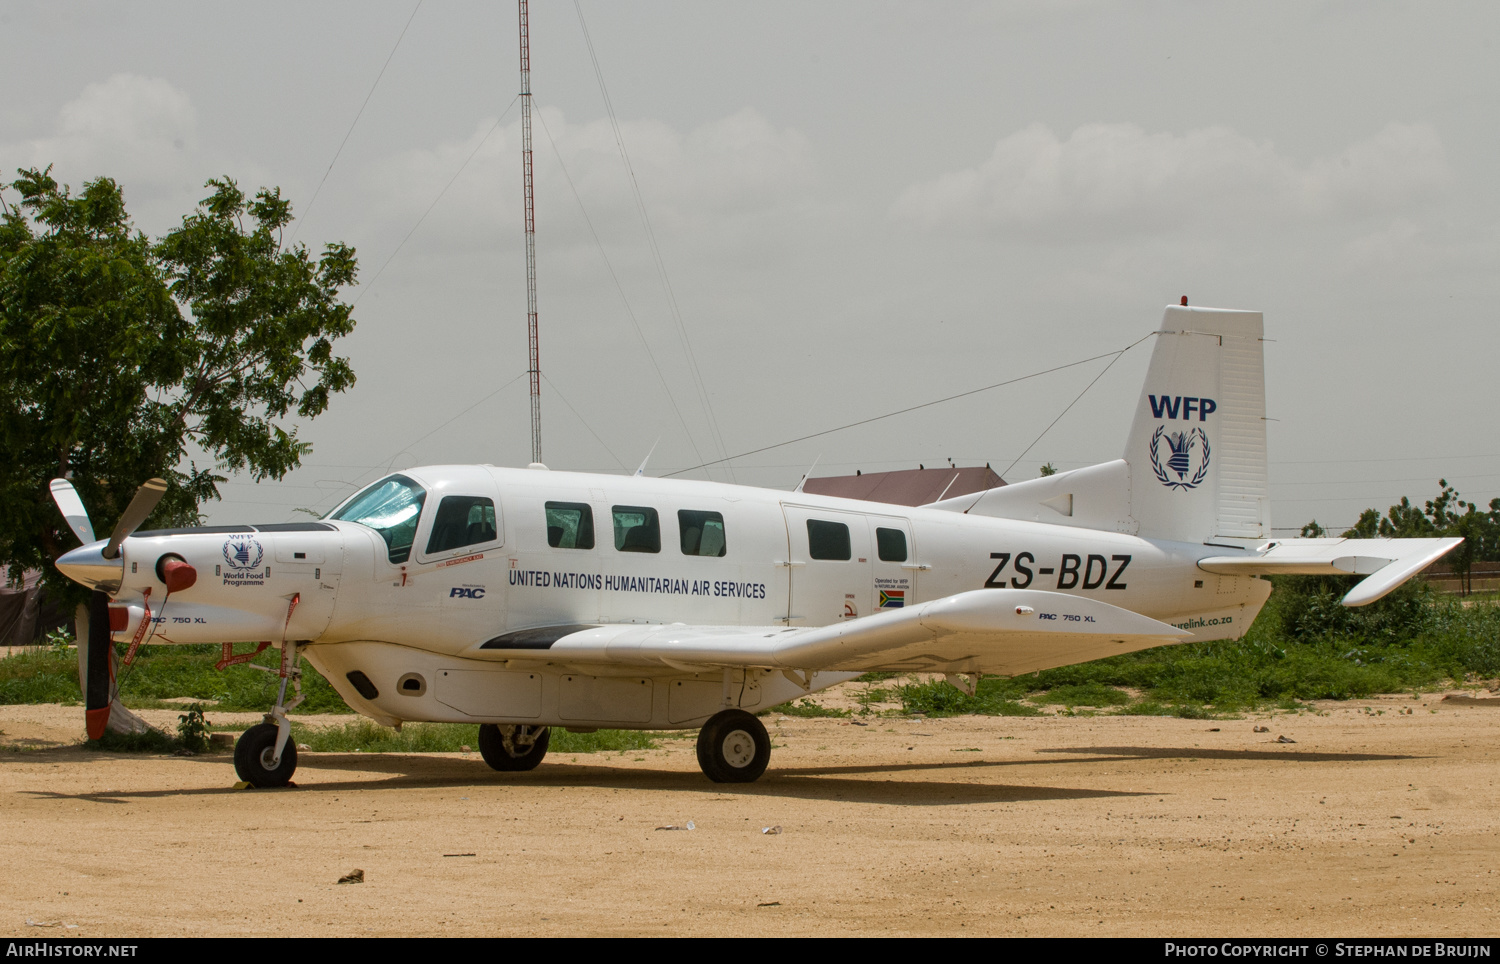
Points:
(890, 545)
(637, 529)
(570, 525)
(462, 520)
(827, 540)
(702, 533)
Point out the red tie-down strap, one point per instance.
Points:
(286, 655)
(140, 631)
(229, 659)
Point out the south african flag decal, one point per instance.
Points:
(892, 598)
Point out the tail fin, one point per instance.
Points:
(1197, 448)
(1195, 466)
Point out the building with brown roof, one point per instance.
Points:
(917, 486)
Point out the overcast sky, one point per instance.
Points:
(859, 207)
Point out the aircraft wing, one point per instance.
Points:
(1387, 562)
(994, 631)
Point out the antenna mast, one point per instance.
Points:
(535, 371)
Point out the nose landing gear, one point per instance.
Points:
(264, 755)
(255, 758)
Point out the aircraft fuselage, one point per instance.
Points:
(440, 631)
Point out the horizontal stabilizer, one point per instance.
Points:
(1387, 562)
(999, 631)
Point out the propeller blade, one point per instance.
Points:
(135, 513)
(96, 673)
(71, 506)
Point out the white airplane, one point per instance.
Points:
(523, 599)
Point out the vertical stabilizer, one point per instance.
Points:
(1197, 448)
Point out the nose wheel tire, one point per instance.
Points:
(513, 747)
(733, 747)
(253, 754)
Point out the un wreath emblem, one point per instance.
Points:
(1182, 446)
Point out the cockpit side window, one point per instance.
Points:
(462, 520)
(392, 507)
(570, 525)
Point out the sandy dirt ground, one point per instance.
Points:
(1380, 819)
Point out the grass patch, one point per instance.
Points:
(609, 741)
(1085, 694)
(40, 676)
(1304, 646)
(161, 673)
(367, 736)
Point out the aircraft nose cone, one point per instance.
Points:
(87, 566)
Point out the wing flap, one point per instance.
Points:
(984, 629)
(1386, 563)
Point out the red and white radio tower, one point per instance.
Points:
(535, 370)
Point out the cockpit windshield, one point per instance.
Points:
(392, 508)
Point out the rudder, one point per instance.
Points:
(1197, 447)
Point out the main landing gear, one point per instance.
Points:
(264, 755)
(733, 747)
(513, 748)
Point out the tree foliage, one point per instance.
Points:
(121, 356)
(1448, 514)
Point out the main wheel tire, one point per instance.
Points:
(733, 747)
(507, 747)
(252, 757)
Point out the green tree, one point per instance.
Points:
(119, 355)
(1048, 469)
(1446, 515)
(1368, 526)
(1313, 531)
(1405, 521)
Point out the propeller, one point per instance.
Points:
(97, 683)
(77, 517)
(146, 498)
(72, 509)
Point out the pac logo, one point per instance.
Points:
(242, 552)
(1184, 449)
(466, 592)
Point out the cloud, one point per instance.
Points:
(141, 131)
(1113, 179)
(739, 165)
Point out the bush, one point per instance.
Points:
(192, 729)
(938, 698)
(1309, 608)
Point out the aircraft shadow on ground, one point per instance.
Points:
(835, 783)
(404, 771)
(1105, 753)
